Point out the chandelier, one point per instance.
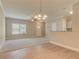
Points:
(40, 16)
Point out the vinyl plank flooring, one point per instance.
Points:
(45, 51)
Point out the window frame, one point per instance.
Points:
(19, 30)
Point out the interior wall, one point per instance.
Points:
(75, 17)
(32, 29)
(35, 35)
(2, 25)
(2, 22)
(68, 39)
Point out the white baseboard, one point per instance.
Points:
(65, 46)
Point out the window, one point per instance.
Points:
(22, 28)
(59, 25)
(18, 28)
(15, 28)
(54, 26)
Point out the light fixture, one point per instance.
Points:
(40, 16)
(71, 12)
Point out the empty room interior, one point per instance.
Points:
(39, 29)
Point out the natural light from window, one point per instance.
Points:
(18, 28)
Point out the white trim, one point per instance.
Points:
(3, 28)
(65, 46)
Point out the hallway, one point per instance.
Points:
(45, 51)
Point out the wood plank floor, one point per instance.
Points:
(45, 51)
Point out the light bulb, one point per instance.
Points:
(39, 15)
(45, 16)
(32, 20)
(39, 18)
(71, 12)
(36, 17)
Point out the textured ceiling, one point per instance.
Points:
(25, 8)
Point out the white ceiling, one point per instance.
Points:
(24, 9)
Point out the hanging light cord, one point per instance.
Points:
(40, 6)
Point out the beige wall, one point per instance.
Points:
(75, 17)
(68, 39)
(2, 25)
(32, 30)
